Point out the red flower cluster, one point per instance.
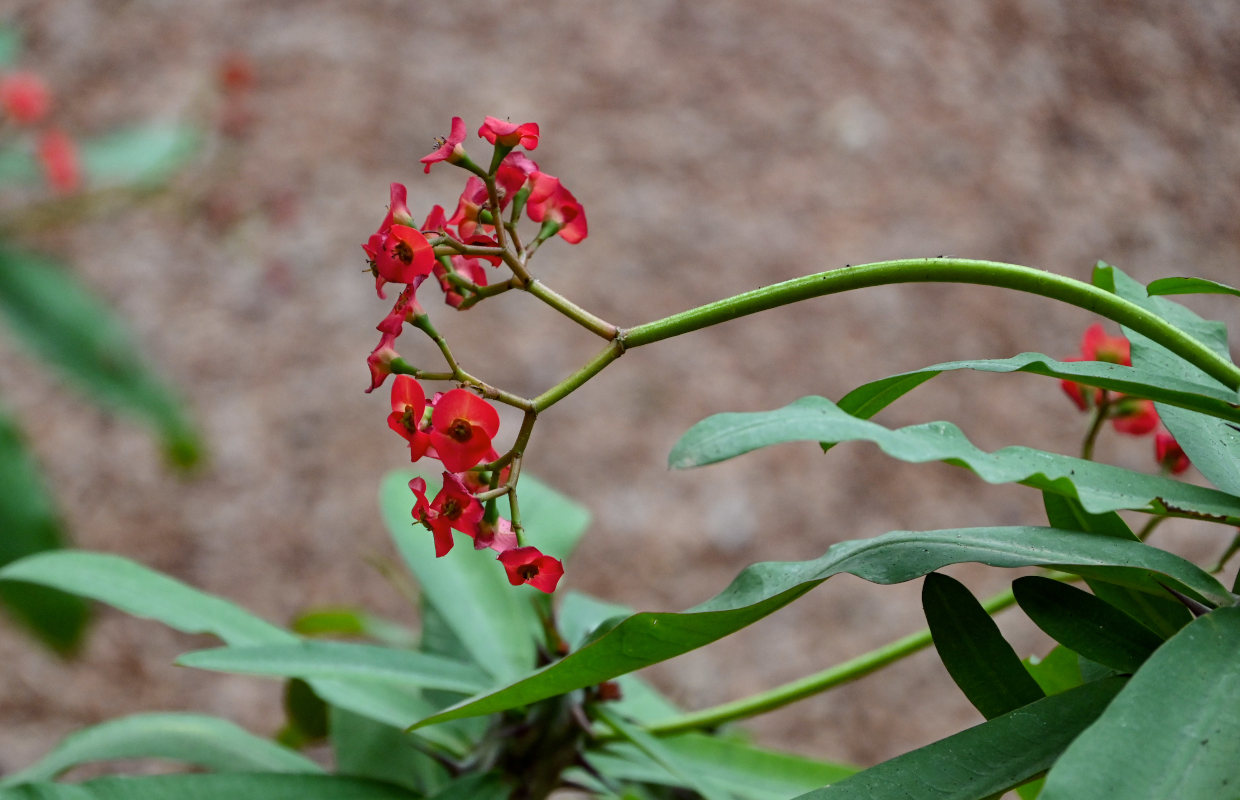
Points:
(26, 100)
(1135, 416)
(457, 427)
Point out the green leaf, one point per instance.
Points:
(305, 714)
(367, 749)
(647, 638)
(1189, 286)
(976, 655)
(352, 622)
(65, 326)
(29, 524)
(10, 45)
(494, 621)
(653, 749)
(1174, 731)
(1162, 615)
(344, 661)
(144, 593)
(1098, 487)
(1211, 444)
(1208, 397)
(1090, 626)
(985, 760)
(1058, 671)
(208, 742)
(725, 764)
(267, 786)
(146, 154)
(488, 786)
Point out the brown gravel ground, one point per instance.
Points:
(717, 147)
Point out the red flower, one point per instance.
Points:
(1134, 416)
(449, 149)
(397, 252)
(529, 565)
(462, 426)
(469, 268)
(406, 309)
(453, 507)
(59, 156)
(408, 408)
(502, 132)
(1097, 346)
(499, 537)
(380, 361)
(24, 97)
(513, 172)
(549, 201)
(1168, 453)
(470, 205)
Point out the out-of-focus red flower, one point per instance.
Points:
(1134, 416)
(1096, 345)
(498, 131)
(449, 149)
(462, 426)
(550, 201)
(235, 73)
(1168, 453)
(24, 97)
(408, 408)
(529, 565)
(380, 361)
(58, 154)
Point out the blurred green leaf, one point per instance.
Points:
(478, 786)
(664, 757)
(1173, 732)
(1098, 487)
(29, 524)
(726, 764)
(10, 45)
(268, 786)
(1058, 671)
(66, 327)
(367, 749)
(976, 655)
(1090, 626)
(985, 760)
(1189, 286)
(208, 742)
(305, 714)
(494, 621)
(343, 661)
(144, 154)
(352, 622)
(1162, 615)
(647, 638)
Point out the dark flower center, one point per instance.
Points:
(460, 430)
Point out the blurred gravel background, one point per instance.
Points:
(717, 147)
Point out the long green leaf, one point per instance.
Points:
(142, 592)
(1207, 397)
(653, 749)
(1174, 732)
(1090, 626)
(987, 759)
(268, 786)
(494, 620)
(749, 772)
(1212, 444)
(1189, 286)
(1162, 615)
(67, 327)
(1099, 487)
(344, 661)
(976, 655)
(647, 638)
(29, 524)
(364, 748)
(143, 154)
(208, 742)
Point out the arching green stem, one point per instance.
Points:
(943, 270)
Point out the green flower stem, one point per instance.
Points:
(943, 270)
(400, 366)
(570, 384)
(1100, 416)
(1149, 527)
(571, 310)
(811, 685)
